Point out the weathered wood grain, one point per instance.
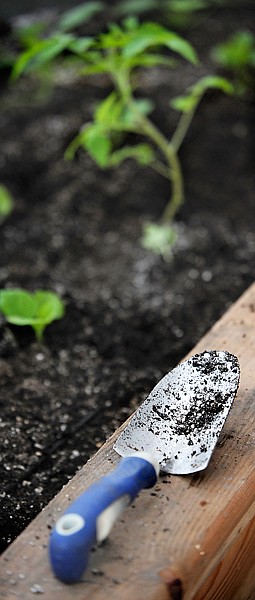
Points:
(191, 537)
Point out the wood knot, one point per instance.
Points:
(175, 589)
(173, 584)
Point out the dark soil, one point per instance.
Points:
(130, 316)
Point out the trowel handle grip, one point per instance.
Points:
(90, 518)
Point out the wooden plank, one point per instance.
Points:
(190, 538)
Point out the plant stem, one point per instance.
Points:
(160, 168)
(182, 127)
(176, 178)
(172, 169)
(38, 329)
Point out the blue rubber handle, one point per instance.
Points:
(76, 531)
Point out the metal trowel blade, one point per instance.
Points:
(180, 421)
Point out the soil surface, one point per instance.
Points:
(130, 316)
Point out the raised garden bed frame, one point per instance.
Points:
(191, 538)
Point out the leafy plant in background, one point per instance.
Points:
(79, 15)
(36, 309)
(38, 46)
(6, 202)
(237, 57)
(179, 14)
(120, 53)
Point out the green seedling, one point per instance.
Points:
(36, 309)
(6, 203)
(237, 57)
(121, 53)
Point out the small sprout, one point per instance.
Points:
(37, 309)
(6, 203)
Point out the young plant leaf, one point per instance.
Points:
(149, 35)
(237, 52)
(189, 101)
(37, 310)
(28, 35)
(128, 7)
(151, 60)
(212, 82)
(130, 116)
(96, 141)
(142, 153)
(144, 105)
(41, 53)
(187, 6)
(115, 115)
(95, 64)
(79, 15)
(80, 45)
(109, 110)
(6, 202)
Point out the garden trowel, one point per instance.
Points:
(174, 431)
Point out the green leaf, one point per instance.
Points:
(116, 116)
(48, 306)
(182, 47)
(149, 35)
(144, 105)
(189, 102)
(6, 202)
(93, 138)
(159, 238)
(28, 35)
(80, 45)
(187, 6)
(236, 52)
(128, 7)
(210, 82)
(151, 60)
(142, 153)
(184, 103)
(98, 144)
(129, 117)
(74, 145)
(37, 310)
(108, 112)
(40, 54)
(115, 37)
(96, 63)
(18, 306)
(79, 15)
